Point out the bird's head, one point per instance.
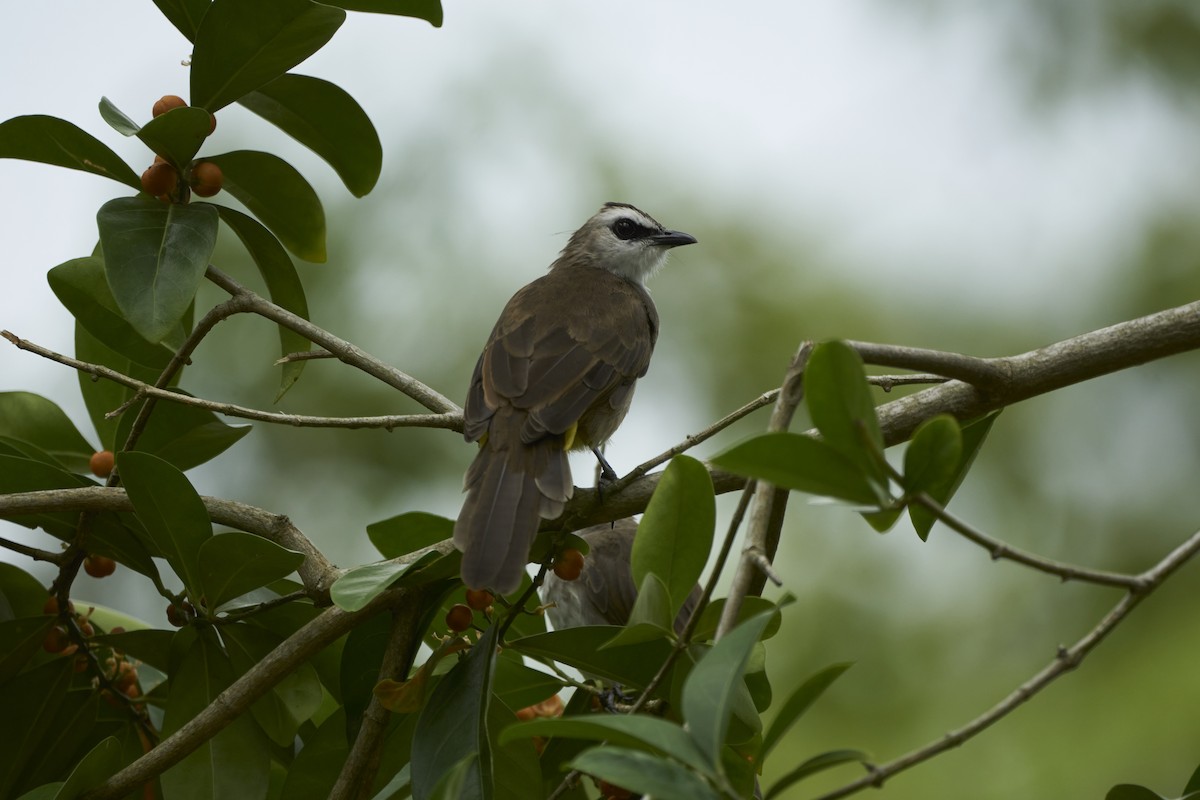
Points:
(624, 240)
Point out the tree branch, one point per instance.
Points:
(1064, 661)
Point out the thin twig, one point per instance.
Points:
(982, 372)
(341, 349)
(303, 355)
(999, 550)
(767, 513)
(33, 552)
(450, 421)
(1064, 661)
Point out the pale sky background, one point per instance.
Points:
(902, 136)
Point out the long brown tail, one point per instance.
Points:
(510, 487)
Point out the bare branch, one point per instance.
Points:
(341, 349)
(32, 552)
(1064, 661)
(969, 369)
(449, 420)
(316, 572)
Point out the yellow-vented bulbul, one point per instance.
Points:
(556, 374)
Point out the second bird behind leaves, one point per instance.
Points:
(557, 374)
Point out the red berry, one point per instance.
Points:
(212, 124)
(569, 564)
(101, 463)
(206, 178)
(178, 615)
(56, 640)
(459, 618)
(168, 102)
(99, 566)
(479, 599)
(158, 180)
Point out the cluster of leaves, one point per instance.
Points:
(1132, 791)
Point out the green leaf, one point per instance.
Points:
(328, 121)
(406, 533)
(283, 285)
(796, 461)
(32, 418)
(242, 46)
(21, 474)
(647, 733)
(452, 728)
(21, 594)
(235, 762)
(117, 119)
(100, 764)
(150, 645)
(279, 196)
(80, 285)
(643, 773)
(454, 784)
(20, 639)
(515, 766)
(234, 563)
(1193, 784)
(675, 535)
(34, 697)
(155, 255)
(711, 689)
(184, 436)
(359, 671)
(50, 140)
(185, 15)
(360, 585)
(428, 10)
(974, 434)
(292, 701)
(519, 686)
(175, 518)
(633, 666)
(794, 707)
(178, 134)
(933, 454)
(840, 402)
(650, 618)
(1130, 791)
(817, 764)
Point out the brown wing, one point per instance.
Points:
(559, 349)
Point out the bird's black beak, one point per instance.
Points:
(672, 239)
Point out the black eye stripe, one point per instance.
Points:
(626, 228)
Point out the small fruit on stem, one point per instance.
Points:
(459, 618)
(206, 178)
(569, 564)
(168, 102)
(101, 462)
(479, 599)
(99, 566)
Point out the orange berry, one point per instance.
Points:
(206, 178)
(479, 599)
(99, 566)
(569, 564)
(101, 462)
(168, 102)
(86, 629)
(51, 606)
(212, 124)
(178, 615)
(459, 618)
(159, 179)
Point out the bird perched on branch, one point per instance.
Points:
(557, 374)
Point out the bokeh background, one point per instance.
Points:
(970, 176)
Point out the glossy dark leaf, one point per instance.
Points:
(315, 769)
(1193, 784)
(363, 653)
(840, 402)
(21, 594)
(795, 461)
(32, 418)
(515, 765)
(242, 46)
(1129, 791)
(279, 196)
(185, 15)
(100, 764)
(80, 285)
(117, 119)
(34, 697)
(358, 586)
(933, 454)
(650, 617)
(406, 533)
(328, 121)
(632, 666)
(675, 534)
(234, 563)
(641, 772)
(236, 761)
(520, 686)
(184, 436)
(814, 765)
(973, 435)
(289, 703)
(713, 686)
(178, 134)
(799, 702)
(50, 140)
(20, 639)
(751, 605)
(452, 728)
(283, 286)
(428, 10)
(21, 474)
(171, 511)
(155, 255)
(101, 395)
(644, 732)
